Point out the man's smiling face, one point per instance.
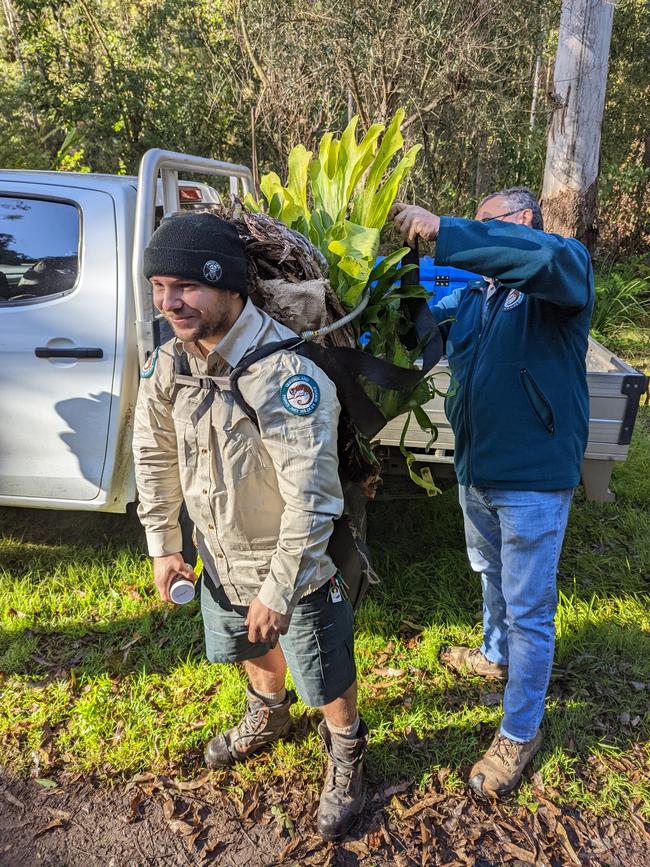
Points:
(194, 310)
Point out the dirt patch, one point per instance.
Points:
(156, 821)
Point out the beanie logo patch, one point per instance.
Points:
(212, 271)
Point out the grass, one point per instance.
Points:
(98, 677)
(621, 314)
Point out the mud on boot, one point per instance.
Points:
(465, 660)
(343, 794)
(261, 725)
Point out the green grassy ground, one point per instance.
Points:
(98, 676)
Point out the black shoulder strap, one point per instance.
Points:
(247, 361)
(343, 365)
(181, 368)
(425, 330)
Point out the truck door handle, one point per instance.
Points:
(71, 352)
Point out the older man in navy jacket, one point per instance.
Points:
(516, 343)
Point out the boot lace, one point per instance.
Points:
(505, 750)
(341, 775)
(251, 721)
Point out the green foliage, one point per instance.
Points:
(622, 299)
(246, 81)
(340, 200)
(624, 186)
(119, 78)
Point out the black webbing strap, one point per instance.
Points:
(343, 365)
(247, 361)
(182, 365)
(183, 376)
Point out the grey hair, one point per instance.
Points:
(520, 197)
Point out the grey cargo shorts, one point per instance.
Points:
(319, 646)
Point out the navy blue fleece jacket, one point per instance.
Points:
(520, 411)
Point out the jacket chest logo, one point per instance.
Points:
(514, 299)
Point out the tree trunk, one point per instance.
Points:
(569, 193)
(536, 79)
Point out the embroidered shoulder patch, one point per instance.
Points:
(514, 299)
(150, 365)
(300, 394)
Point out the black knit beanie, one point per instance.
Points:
(201, 247)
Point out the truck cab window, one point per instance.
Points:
(39, 249)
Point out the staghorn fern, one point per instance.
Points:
(340, 200)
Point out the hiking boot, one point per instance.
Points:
(472, 661)
(261, 725)
(500, 769)
(343, 794)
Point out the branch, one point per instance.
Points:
(249, 49)
(418, 114)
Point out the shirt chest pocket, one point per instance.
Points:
(187, 445)
(186, 436)
(241, 446)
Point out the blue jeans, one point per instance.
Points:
(514, 540)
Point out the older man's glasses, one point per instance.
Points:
(501, 216)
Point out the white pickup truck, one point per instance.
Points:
(76, 324)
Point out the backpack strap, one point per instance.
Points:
(424, 330)
(343, 365)
(247, 361)
(183, 376)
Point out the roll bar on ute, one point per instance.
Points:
(166, 165)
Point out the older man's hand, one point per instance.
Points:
(413, 221)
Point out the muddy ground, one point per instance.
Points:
(158, 821)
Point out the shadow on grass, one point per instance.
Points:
(419, 552)
(154, 643)
(42, 527)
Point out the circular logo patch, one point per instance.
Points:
(150, 365)
(212, 271)
(300, 394)
(514, 299)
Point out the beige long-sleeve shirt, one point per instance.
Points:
(263, 501)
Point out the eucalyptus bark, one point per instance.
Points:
(569, 193)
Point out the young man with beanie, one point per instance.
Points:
(263, 494)
(516, 342)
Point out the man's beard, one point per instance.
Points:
(208, 325)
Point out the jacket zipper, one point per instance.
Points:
(526, 376)
(485, 327)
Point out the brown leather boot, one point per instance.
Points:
(261, 725)
(467, 660)
(343, 794)
(500, 769)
